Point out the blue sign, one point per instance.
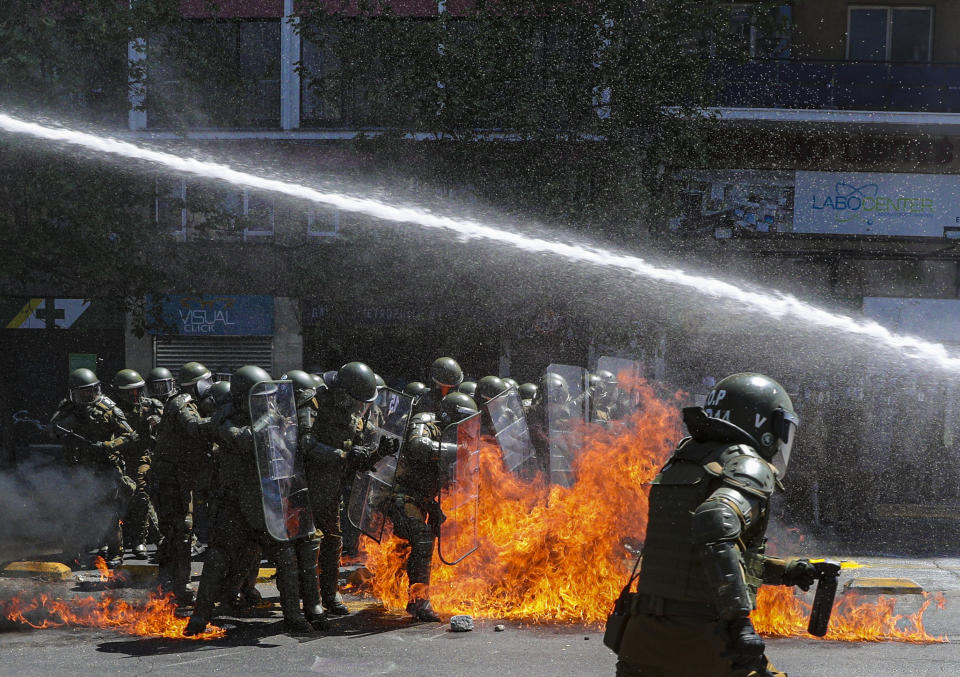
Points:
(217, 315)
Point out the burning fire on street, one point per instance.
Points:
(550, 554)
(154, 618)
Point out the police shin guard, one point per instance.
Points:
(214, 571)
(307, 551)
(329, 564)
(288, 584)
(418, 572)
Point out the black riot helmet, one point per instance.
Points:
(489, 387)
(216, 397)
(128, 384)
(415, 389)
(160, 383)
(358, 381)
(446, 374)
(528, 391)
(304, 385)
(195, 378)
(455, 407)
(607, 386)
(242, 380)
(554, 388)
(510, 383)
(84, 386)
(468, 388)
(759, 407)
(355, 388)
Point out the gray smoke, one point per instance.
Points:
(43, 502)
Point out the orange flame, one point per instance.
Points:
(781, 613)
(156, 618)
(101, 565)
(555, 554)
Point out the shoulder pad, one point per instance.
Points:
(750, 473)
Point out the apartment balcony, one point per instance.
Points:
(843, 85)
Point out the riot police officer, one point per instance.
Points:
(333, 450)
(143, 414)
(468, 388)
(703, 558)
(415, 512)
(240, 520)
(528, 392)
(161, 384)
(96, 434)
(181, 465)
(445, 375)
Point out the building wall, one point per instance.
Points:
(821, 28)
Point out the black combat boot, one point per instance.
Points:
(307, 550)
(329, 560)
(288, 584)
(422, 611)
(211, 579)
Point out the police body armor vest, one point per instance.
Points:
(418, 477)
(672, 567)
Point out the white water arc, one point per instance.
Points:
(771, 304)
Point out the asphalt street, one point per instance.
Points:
(373, 642)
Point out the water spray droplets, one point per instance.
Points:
(767, 304)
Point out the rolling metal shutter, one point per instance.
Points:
(213, 352)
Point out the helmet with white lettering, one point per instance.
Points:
(760, 408)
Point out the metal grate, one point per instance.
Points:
(215, 352)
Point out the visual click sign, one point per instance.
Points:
(860, 203)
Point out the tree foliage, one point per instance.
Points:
(605, 98)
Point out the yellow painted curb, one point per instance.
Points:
(139, 572)
(265, 574)
(883, 586)
(51, 571)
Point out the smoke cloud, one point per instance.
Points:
(44, 503)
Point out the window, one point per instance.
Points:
(323, 221)
(889, 33)
(223, 214)
(763, 37)
(215, 74)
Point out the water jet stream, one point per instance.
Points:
(771, 304)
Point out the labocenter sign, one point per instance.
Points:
(855, 203)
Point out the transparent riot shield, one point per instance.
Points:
(372, 490)
(510, 427)
(460, 494)
(283, 485)
(627, 400)
(568, 404)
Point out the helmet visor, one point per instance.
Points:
(785, 424)
(160, 388)
(203, 385)
(85, 395)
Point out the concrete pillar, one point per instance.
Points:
(287, 335)
(137, 351)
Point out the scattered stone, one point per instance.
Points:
(461, 623)
(360, 578)
(587, 638)
(499, 628)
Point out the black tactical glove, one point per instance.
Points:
(388, 446)
(799, 572)
(746, 644)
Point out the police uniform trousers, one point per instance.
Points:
(664, 646)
